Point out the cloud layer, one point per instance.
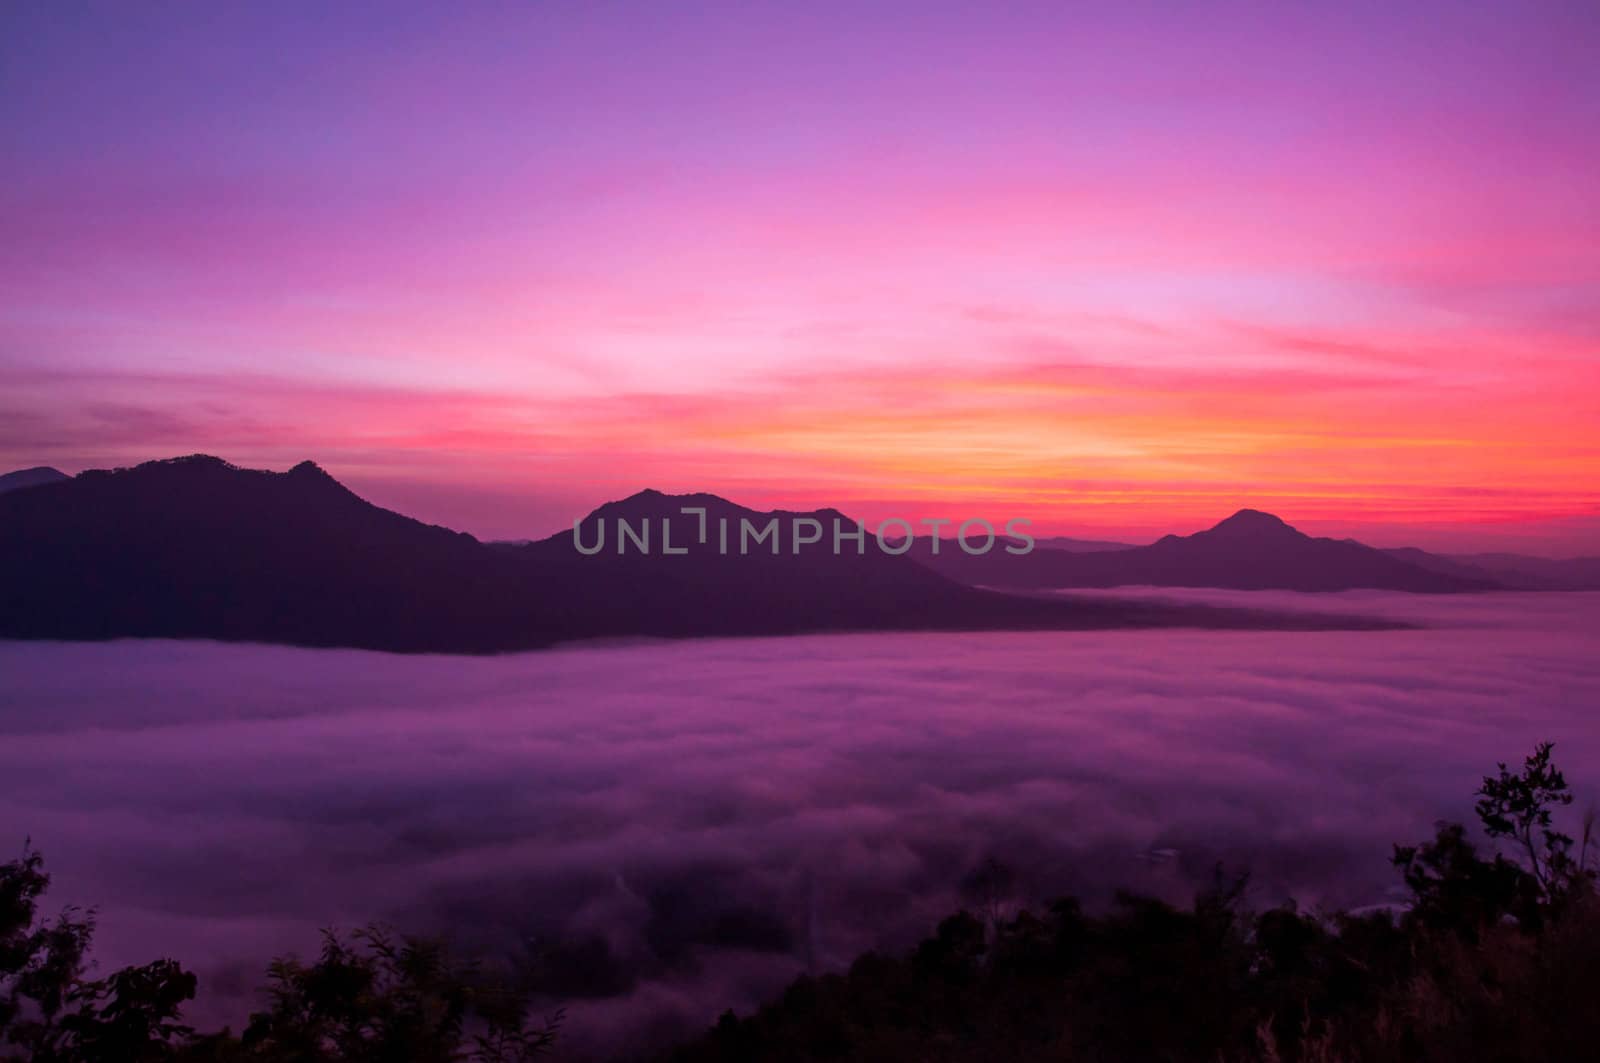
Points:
(677, 828)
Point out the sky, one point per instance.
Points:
(1120, 269)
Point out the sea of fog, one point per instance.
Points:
(669, 829)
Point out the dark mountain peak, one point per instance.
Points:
(1253, 524)
(188, 466)
(1248, 529)
(1248, 537)
(34, 477)
(313, 480)
(195, 461)
(198, 474)
(1251, 550)
(651, 504)
(701, 532)
(37, 472)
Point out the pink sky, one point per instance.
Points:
(1119, 269)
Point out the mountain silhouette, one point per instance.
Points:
(865, 587)
(197, 548)
(648, 508)
(1250, 550)
(1079, 546)
(1512, 571)
(34, 477)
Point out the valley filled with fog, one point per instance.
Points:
(663, 830)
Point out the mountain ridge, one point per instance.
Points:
(1249, 550)
(195, 547)
(37, 476)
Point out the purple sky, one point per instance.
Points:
(1123, 267)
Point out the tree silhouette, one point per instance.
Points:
(49, 1010)
(1519, 807)
(379, 997)
(1492, 959)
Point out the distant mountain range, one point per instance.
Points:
(1250, 550)
(41, 474)
(1079, 546)
(1511, 571)
(197, 548)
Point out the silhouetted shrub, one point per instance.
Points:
(50, 1011)
(372, 998)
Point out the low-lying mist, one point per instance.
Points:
(662, 831)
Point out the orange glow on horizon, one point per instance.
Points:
(1118, 273)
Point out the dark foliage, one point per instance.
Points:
(372, 998)
(50, 1011)
(377, 997)
(1493, 959)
